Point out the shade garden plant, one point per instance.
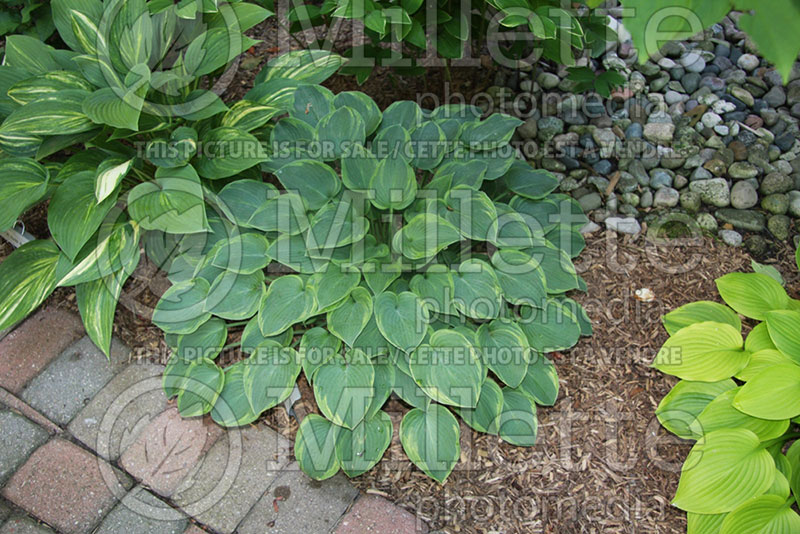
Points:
(407, 251)
(739, 398)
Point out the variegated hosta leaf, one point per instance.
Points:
(172, 203)
(109, 175)
(310, 66)
(97, 302)
(23, 182)
(27, 277)
(30, 89)
(117, 249)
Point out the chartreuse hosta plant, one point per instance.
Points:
(740, 399)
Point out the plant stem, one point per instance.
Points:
(238, 323)
(232, 345)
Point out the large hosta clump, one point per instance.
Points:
(405, 252)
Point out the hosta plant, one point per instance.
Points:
(739, 398)
(31, 17)
(510, 29)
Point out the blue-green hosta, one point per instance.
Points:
(740, 399)
(406, 251)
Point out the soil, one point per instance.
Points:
(602, 462)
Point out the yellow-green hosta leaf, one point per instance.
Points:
(288, 300)
(784, 330)
(23, 182)
(758, 339)
(724, 469)
(402, 319)
(315, 447)
(678, 410)
(271, 373)
(698, 312)
(706, 352)
(704, 523)
(430, 438)
(359, 449)
(773, 394)
(752, 294)
(761, 360)
(27, 277)
(202, 384)
(448, 369)
(721, 413)
(767, 513)
(343, 388)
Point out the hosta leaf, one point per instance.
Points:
(283, 213)
(175, 152)
(371, 340)
(310, 66)
(518, 423)
(704, 523)
(358, 450)
(181, 308)
(172, 203)
(382, 385)
(772, 394)
(288, 300)
(758, 339)
(358, 166)
(394, 183)
(317, 346)
(521, 278)
(29, 53)
(698, 312)
(405, 113)
(115, 107)
(348, 320)
(23, 182)
(337, 224)
(380, 273)
(247, 115)
(541, 380)
(291, 252)
(332, 286)
(707, 352)
(430, 438)
(242, 198)
(761, 360)
(721, 413)
(205, 342)
(485, 416)
(270, 375)
(408, 390)
(557, 267)
(97, 302)
(435, 287)
(425, 236)
(228, 151)
(505, 350)
(29, 89)
(343, 388)
(784, 330)
(752, 294)
(723, 470)
(550, 328)
(767, 513)
(339, 130)
(252, 336)
(402, 319)
(315, 447)
(364, 105)
(477, 292)
(491, 133)
(232, 407)
(472, 212)
(242, 253)
(315, 182)
(27, 276)
(74, 214)
(678, 410)
(448, 369)
(109, 175)
(427, 146)
(528, 182)
(201, 387)
(235, 296)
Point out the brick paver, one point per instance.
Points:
(375, 515)
(21, 524)
(194, 529)
(141, 512)
(72, 379)
(4, 511)
(168, 449)
(112, 421)
(233, 476)
(17, 405)
(302, 504)
(66, 487)
(18, 439)
(28, 349)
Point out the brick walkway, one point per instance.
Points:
(89, 445)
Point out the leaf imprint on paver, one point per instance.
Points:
(172, 449)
